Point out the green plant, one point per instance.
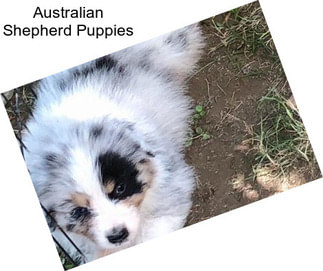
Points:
(66, 262)
(197, 131)
(199, 112)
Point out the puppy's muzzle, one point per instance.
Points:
(118, 235)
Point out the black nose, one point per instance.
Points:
(118, 235)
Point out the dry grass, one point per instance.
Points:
(280, 137)
(244, 31)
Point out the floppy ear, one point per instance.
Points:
(146, 172)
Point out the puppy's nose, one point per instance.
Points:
(118, 235)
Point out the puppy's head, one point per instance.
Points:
(96, 186)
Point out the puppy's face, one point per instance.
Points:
(102, 197)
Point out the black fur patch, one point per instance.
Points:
(70, 227)
(81, 214)
(106, 63)
(150, 154)
(122, 172)
(96, 131)
(85, 72)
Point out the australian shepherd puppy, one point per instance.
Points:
(105, 145)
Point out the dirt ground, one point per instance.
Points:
(230, 97)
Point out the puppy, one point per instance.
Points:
(104, 147)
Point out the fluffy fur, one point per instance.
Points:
(105, 145)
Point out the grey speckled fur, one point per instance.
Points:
(133, 103)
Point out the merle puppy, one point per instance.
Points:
(105, 145)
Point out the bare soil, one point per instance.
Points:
(230, 94)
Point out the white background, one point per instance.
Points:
(283, 232)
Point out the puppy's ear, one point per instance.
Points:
(146, 171)
(146, 174)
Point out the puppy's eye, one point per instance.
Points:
(79, 212)
(120, 189)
